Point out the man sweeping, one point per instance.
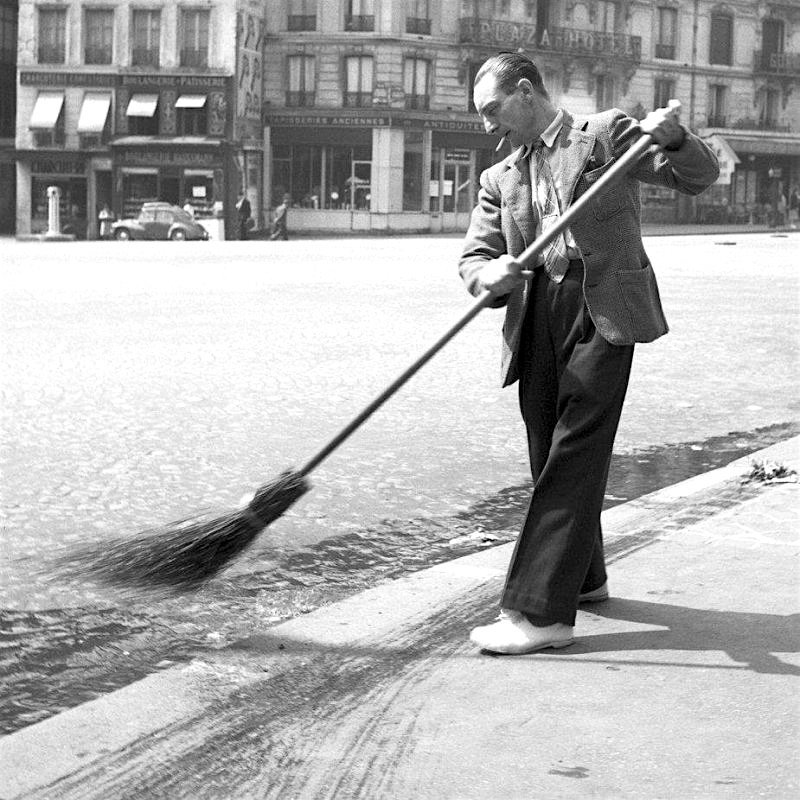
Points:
(569, 332)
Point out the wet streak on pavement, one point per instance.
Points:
(55, 659)
(325, 722)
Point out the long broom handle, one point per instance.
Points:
(616, 171)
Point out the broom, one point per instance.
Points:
(183, 555)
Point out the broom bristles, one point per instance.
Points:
(185, 554)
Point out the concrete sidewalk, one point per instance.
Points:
(683, 685)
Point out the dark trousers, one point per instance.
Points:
(572, 387)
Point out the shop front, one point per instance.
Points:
(374, 171)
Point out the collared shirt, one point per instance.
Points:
(549, 138)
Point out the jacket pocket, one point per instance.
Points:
(640, 294)
(610, 202)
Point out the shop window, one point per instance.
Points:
(302, 15)
(721, 44)
(666, 33)
(72, 203)
(99, 36)
(301, 81)
(328, 177)
(194, 37)
(52, 35)
(146, 46)
(418, 17)
(416, 82)
(198, 191)
(717, 105)
(358, 81)
(604, 92)
(412, 172)
(359, 15)
(664, 91)
(138, 187)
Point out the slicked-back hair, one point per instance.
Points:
(509, 69)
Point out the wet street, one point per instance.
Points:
(144, 382)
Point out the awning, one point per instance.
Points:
(776, 144)
(142, 105)
(190, 101)
(94, 112)
(46, 111)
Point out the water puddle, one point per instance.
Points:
(56, 659)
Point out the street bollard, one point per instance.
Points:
(53, 211)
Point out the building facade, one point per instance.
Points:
(361, 110)
(369, 123)
(8, 113)
(120, 102)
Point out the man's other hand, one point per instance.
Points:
(663, 125)
(501, 275)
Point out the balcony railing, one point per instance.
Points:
(777, 63)
(418, 25)
(359, 22)
(300, 99)
(569, 41)
(51, 54)
(194, 58)
(357, 99)
(418, 102)
(665, 51)
(302, 22)
(144, 57)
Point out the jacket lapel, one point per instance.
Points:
(515, 188)
(568, 160)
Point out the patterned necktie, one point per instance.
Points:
(556, 260)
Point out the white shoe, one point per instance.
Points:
(596, 595)
(514, 634)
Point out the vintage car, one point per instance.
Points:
(159, 221)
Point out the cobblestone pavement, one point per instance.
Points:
(145, 381)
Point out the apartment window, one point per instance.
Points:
(418, 16)
(99, 33)
(52, 35)
(770, 109)
(47, 119)
(93, 127)
(667, 27)
(717, 105)
(472, 71)
(604, 92)
(359, 15)
(146, 38)
(664, 92)
(192, 115)
(358, 81)
(415, 83)
(772, 37)
(721, 44)
(8, 34)
(142, 113)
(194, 37)
(301, 81)
(302, 15)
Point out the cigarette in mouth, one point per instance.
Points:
(501, 143)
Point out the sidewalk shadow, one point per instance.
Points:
(750, 639)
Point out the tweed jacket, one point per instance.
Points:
(619, 283)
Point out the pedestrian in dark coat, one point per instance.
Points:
(570, 330)
(243, 215)
(280, 228)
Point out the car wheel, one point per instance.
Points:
(178, 235)
(122, 234)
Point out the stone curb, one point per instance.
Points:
(41, 754)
